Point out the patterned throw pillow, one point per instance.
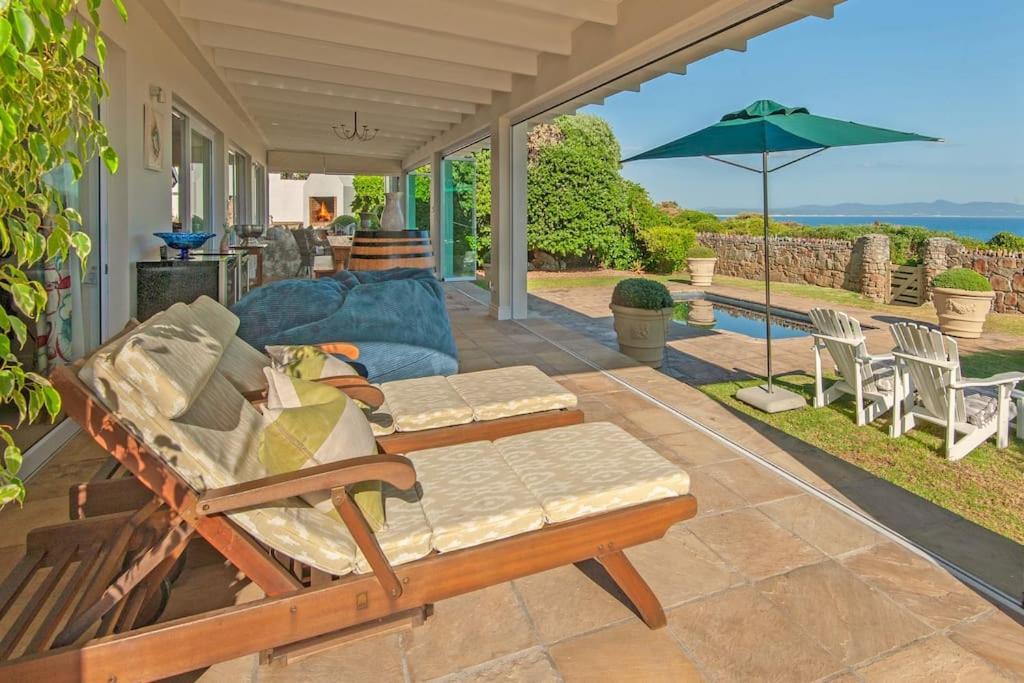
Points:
(308, 362)
(309, 424)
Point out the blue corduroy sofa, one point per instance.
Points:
(396, 317)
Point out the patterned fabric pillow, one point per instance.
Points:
(309, 424)
(308, 362)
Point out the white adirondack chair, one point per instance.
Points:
(870, 379)
(931, 388)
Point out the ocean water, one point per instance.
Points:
(980, 228)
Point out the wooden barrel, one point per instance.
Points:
(383, 249)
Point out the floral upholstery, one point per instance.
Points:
(589, 468)
(170, 360)
(470, 496)
(425, 403)
(494, 394)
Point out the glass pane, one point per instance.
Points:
(201, 182)
(418, 199)
(232, 186)
(458, 218)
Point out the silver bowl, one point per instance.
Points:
(249, 232)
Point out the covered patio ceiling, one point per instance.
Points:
(432, 76)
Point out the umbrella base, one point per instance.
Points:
(778, 401)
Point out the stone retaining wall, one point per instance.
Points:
(860, 265)
(1004, 269)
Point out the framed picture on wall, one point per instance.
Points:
(152, 138)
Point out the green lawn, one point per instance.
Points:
(986, 487)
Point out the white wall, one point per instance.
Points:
(141, 54)
(289, 199)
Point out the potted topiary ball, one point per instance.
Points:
(700, 261)
(962, 298)
(643, 311)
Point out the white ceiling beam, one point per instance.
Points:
(823, 9)
(333, 116)
(279, 160)
(290, 20)
(313, 87)
(232, 59)
(363, 148)
(598, 11)
(251, 92)
(275, 44)
(480, 21)
(280, 124)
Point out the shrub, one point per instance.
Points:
(962, 278)
(343, 220)
(700, 251)
(1007, 240)
(666, 247)
(638, 292)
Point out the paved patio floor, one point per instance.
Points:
(766, 583)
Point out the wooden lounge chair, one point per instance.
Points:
(416, 413)
(870, 379)
(931, 388)
(551, 498)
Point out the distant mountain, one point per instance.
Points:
(936, 208)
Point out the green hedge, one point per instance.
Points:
(1007, 240)
(666, 247)
(962, 278)
(638, 292)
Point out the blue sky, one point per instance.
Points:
(945, 68)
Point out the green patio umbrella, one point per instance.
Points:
(764, 127)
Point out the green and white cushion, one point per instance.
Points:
(308, 362)
(309, 424)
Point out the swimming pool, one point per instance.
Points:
(740, 317)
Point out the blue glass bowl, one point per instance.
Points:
(184, 241)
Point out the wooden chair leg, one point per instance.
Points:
(625, 575)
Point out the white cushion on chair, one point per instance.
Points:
(588, 468)
(982, 406)
(425, 403)
(503, 392)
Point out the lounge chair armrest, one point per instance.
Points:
(351, 351)
(947, 365)
(993, 381)
(392, 469)
(353, 386)
(824, 338)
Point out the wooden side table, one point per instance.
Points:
(341, 255)
(256, 251)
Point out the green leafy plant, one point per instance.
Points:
(962, 278)
(369, 191)
(667, 247)
(638, 292)
(700, 251)
(343, 220)
(1007, 240)
(48, 92)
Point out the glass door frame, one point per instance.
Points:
(448, 215)
(189, 123)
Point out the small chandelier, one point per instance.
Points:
(363, 134)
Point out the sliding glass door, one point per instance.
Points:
(458, 219)
(191, 174)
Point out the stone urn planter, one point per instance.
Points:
(643, 312)
(700, 261)
(962, 300)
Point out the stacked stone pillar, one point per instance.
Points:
(935, 253)
(874, 271)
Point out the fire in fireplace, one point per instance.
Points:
(321, 210)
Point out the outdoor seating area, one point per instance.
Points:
(759, 551)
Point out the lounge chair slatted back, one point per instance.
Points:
(870, 379)
(932, 380)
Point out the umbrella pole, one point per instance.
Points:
(767, 269)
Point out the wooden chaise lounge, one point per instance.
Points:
(459, 518)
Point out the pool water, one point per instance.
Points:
(714, 315)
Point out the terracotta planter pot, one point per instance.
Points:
(702, 271)
(962, 313)
(642, 333)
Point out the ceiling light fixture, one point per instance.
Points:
(363, 134)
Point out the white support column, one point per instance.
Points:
(436, 196)
(508, 220)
